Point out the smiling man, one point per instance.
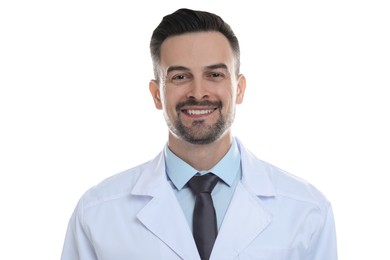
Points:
(204, 196)
(199, 90)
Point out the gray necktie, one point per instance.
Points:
(204, 220)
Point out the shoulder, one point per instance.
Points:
(290, 195)
(267, 180)
(290, 186)
(114, 187)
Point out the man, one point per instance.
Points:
(151, 211)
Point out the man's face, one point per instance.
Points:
(198, 87)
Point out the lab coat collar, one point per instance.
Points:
(255, 173)
(163, 216)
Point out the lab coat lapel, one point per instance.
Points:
(245, 219)
(162, 215)
(247, 216)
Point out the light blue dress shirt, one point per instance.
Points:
(228, 169)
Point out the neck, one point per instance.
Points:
(201, 157)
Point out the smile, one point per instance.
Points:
(198, 111)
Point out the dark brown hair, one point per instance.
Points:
(184, 21)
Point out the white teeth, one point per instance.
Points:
(199, 112)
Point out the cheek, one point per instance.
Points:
(172, 96)
(228, 97)
(169, 104)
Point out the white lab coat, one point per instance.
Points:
(135, 215)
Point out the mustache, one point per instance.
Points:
(193, 102)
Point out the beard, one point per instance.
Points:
(199, 132)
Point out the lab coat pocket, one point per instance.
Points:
(271, 254)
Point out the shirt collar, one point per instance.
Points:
(180, 172)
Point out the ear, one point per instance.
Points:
(241, 86)
(154, 89)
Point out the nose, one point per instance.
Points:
(198, 90)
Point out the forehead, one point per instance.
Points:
(196, 50)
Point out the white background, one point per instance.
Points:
(75, 107)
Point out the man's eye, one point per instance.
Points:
(216, 75)
(179, 77)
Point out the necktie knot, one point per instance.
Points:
(203, 184)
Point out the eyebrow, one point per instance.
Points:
(180, 68)
(210, 67)
(217, 66)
